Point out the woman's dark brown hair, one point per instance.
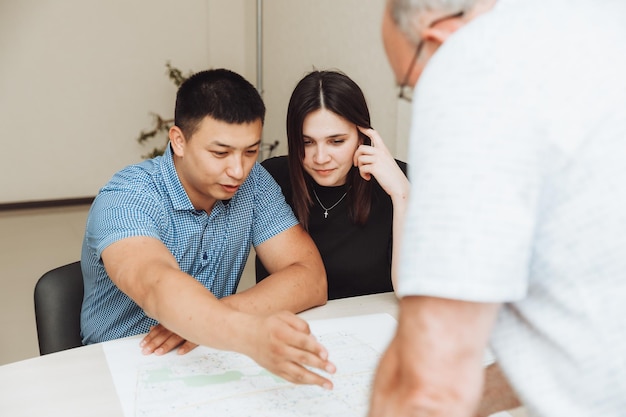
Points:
(336, 92)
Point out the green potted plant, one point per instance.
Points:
(160, 125)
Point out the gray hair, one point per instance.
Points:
(403, 11)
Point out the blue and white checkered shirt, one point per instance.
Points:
(148, 199)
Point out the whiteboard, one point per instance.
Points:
(78, 81)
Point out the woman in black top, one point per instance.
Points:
(342, 183)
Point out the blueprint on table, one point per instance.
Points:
(217, 383)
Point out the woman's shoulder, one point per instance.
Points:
(276, 164)
(278, 167)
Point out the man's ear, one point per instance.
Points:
(177, 140)
(440, 33)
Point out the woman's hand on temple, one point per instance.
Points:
(376, 160)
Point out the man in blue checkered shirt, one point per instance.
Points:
(167, 240)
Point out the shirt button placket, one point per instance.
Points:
(203, 219)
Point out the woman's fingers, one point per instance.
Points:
(377, 140)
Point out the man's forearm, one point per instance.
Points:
(434, 365)
(293, 289)
(449, 340)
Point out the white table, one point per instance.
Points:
(77, 382)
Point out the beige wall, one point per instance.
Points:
(78, 81)
(31, 243)
(326, 34)
(299, 35)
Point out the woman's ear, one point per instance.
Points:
(364, 139)
(177, 139)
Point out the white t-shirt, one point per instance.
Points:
(518, 173)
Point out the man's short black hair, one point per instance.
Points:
(219, 93)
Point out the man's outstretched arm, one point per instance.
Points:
(145, 270)
(297, 283)
(434, 364)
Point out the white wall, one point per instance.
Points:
(79, 78)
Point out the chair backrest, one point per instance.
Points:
(58, 301)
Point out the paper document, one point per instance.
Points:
(209, 382)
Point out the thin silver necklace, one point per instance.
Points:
(327, 209)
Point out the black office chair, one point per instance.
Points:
(58, 301)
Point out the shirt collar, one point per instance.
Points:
(175, 190)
